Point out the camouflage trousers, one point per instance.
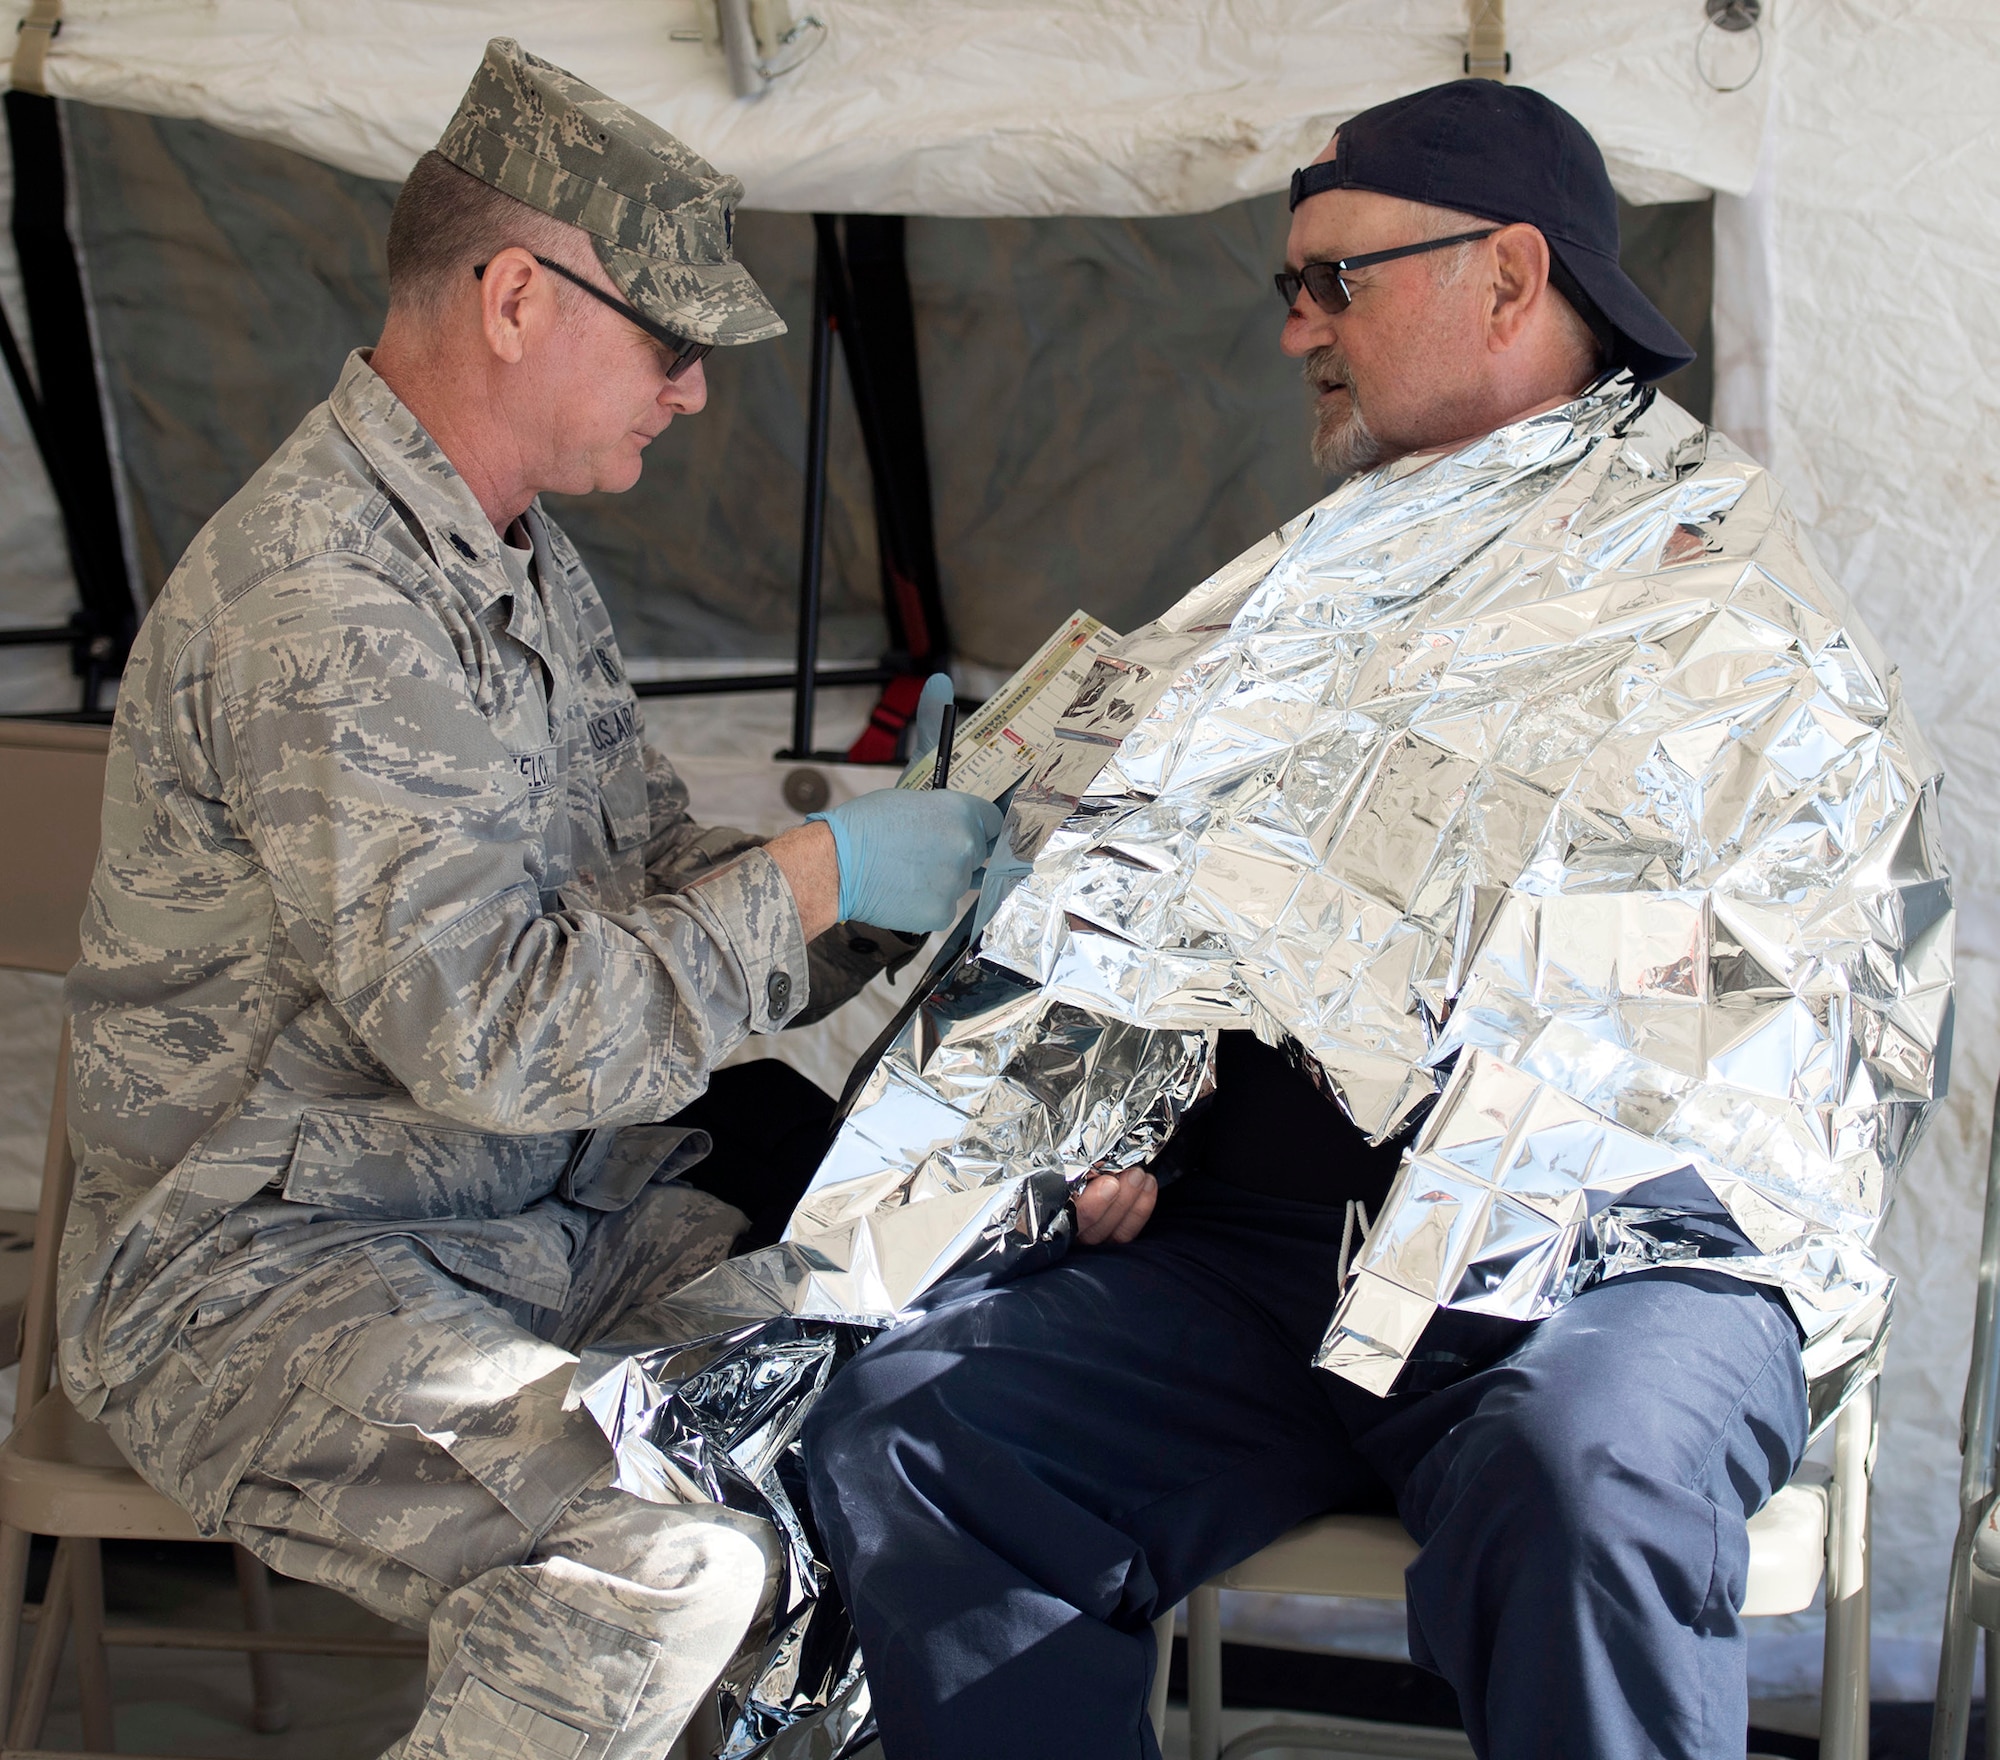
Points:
(400, 1437)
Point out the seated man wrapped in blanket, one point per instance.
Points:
(1503, 913)
(1549, 792)
(1541, 815)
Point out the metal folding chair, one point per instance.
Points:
(1817, 1525)
(1972, 1600)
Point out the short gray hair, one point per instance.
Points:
(1579, 340)
(446, 222)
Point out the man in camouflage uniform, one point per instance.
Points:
(400, 940)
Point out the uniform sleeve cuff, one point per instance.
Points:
(752, 903)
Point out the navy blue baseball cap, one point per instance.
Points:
(1507, 154)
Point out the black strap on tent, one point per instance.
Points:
(870, 290)
(64, 411)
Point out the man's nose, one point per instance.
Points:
(1306, 327)
(687, 395)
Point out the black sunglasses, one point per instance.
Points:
(1326, 281)
(684, 352)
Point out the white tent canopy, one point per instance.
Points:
(1857, 329)
(1021, 107)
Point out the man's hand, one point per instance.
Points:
(1115, 1206)
(907, 855)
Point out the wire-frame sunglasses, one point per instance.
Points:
(1327, 283)
(683, 352)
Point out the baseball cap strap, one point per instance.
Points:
(1316, 180)
(1587, 308)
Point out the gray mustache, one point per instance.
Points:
(1326, 362)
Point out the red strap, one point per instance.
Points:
(879, 740)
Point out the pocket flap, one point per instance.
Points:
(612, 1167)
(621, 790)
(483, 1721)
(528, 1642)
(363, 1165)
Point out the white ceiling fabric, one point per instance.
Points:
(977, 108)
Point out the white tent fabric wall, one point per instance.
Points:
(1857, 342)
(1011, 107)
(36, 590)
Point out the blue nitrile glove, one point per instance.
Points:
(929, 718)
(908, 854)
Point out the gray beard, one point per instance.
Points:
(1342, 445)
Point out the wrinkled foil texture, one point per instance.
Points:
(1554, 779)
(983, 1108)
(715, 1418)
(1547, 792)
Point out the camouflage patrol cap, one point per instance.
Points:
(659, 215)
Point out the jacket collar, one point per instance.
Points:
(414, 470)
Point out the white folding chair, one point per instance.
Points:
(1972, 1598)
(1818, 1524)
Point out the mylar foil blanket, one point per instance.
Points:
(716, 1419)
(982, 1108)
(1553, 778)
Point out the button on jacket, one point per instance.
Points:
(395, 914)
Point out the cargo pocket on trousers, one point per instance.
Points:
(534, 1677)
(483, 1724)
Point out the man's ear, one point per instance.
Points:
(511, 294)
(1520, 278)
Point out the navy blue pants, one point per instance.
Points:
(1014, 1486)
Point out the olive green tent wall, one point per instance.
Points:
(1108, 414)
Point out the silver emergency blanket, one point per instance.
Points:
(1547, 792)
(716, 1418)
(960, 1143)
(1554, 777)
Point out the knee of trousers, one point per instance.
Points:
(674, 1569)
(1543, 1502)
(555, 1657)
(560, 1655)
(840, 1433)
(856, 1437)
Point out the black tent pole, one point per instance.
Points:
(878, 332)
(24, 386)
(807, 677)
(861, 293)
(66, 416)
(812, 535)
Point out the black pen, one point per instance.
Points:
(947, 728)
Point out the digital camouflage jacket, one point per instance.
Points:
(396, 918)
